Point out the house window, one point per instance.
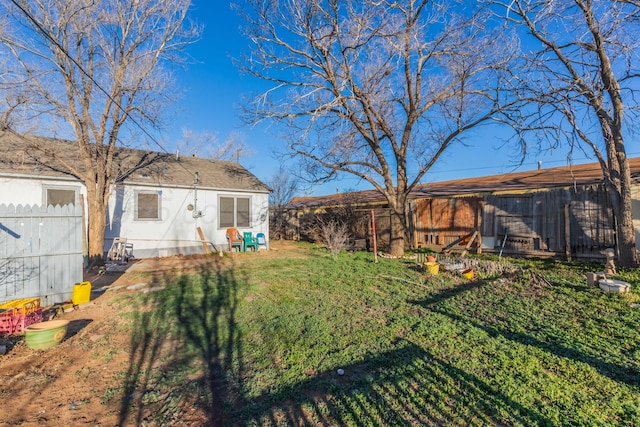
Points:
(242, 212)
(60, 196)
(235, 212)
(147, 205)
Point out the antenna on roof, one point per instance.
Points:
(194, 207)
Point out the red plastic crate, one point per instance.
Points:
(13, 321)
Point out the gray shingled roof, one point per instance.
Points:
(535, 180)
(32, 156)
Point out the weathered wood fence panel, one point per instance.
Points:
(40, 252)
(574, 221)
(444, 221)
(592, 226)
(534, 223)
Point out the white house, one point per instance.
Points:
(158, 203)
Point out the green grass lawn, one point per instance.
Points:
(258, 341)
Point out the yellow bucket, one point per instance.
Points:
(81, 293)
(432, 267)
(467, 274)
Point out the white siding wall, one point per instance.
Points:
(30, 191)
(176, 231)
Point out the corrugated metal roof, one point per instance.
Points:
(34, 157)
(515, 183)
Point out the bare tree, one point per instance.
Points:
(580, 76)
(374, 88)
(94, 66)
(208, 144)
(334, 235)
(284, 186)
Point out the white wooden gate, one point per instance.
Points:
(40, 252)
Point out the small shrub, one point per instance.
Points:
(334, 235)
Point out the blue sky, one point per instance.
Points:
(212, 88)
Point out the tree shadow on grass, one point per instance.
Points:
(624, 374)
(186, 353)
(404, 386)
(185, 348)
(452, 292)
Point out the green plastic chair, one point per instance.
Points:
(249, 241)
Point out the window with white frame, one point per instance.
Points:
(234, 212)
(60, 196)
(148, 205)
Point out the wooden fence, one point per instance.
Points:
(573, 222)
(40, 252)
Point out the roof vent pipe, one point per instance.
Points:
(539, 164)
(177, 154)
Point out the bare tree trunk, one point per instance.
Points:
(627, 255)
(398, 230)
(97, 210)
(621, 201)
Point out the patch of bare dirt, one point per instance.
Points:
(71, 384)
